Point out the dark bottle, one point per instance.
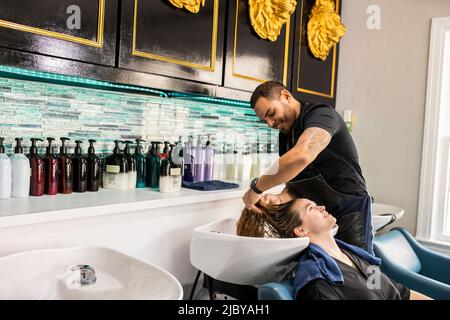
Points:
(140, 164)
(93, 168)
(153, 166)
(166, 150)
(170, 172)
(65, 185)
(51, 170)
(79, 163)
(131, 163)
(37, 178)
(115, 175)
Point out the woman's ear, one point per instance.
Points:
(301, 232)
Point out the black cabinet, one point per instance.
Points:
(251, 60)
(83, 30)
(158, 38)
(313, 80)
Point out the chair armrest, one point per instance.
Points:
(276, 291)
(415, 281)
(434, 264)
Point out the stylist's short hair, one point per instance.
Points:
(268, 89)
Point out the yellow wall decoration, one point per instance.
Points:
(190, 5)
(324, 28)
(268, 16)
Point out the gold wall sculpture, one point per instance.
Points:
(267, 17)
(190, 5)
(324, 28)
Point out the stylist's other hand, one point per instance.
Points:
(271, 198)
(250, 198)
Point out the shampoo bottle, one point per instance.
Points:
(199, 161)
(93, 168)
(131, 164)
(20, 165)
(5, 173)
(188, 161)
(65, 185)
(170, 180)
(116, 171)
(37, 178)
(79, 169)
(209, 160)
(51, 170)
(153, 166)
(140, 160)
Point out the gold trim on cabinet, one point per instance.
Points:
(286, 51)
(333, 71)
(62, 36)
(147, 55)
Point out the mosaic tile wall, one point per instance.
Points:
(34, 109)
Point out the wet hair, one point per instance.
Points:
(274, 221)
(268, 89)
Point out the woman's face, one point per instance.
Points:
(315, 219)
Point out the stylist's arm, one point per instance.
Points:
(312, 141)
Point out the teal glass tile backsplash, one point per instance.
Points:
(36, 109)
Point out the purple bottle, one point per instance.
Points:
(209, 161)
(188, 174)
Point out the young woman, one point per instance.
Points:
(328, 269)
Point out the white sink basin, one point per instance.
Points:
(46, 274)
(217, 251)
(384, 214)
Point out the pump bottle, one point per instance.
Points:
(93, 168)
(79, 169)
(20, 165)
(37, 178)
(5, 173)
(65, 181)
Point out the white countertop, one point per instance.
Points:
(19, 211)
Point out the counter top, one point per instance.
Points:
(19, 211)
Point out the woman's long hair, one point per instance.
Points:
(276, 221)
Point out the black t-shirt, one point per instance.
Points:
(338, 163)
(355, 285)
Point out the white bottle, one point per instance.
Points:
(5, 173)
(255, 171)
(245, 167)
(219, 160)
(21, 172)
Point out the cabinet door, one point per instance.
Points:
(313, 80)
(251, 60)
(158, 38)
(83, 30)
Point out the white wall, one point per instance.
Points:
(382, 78)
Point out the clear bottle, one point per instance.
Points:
(5, 173)
(141, 163)
(170, 179)
(116, 168)
(199, 160)
(131, 163)
(209, 160)
(219, 160)
(21, 172)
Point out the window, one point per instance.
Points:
(434, 198)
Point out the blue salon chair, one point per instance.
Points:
(408, 262)
(276, 291)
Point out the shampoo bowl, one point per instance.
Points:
(217, 251)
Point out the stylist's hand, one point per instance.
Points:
(250, 198)
(271, 198)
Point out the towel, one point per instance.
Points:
(209, 185)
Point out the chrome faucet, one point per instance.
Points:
(87, 274)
